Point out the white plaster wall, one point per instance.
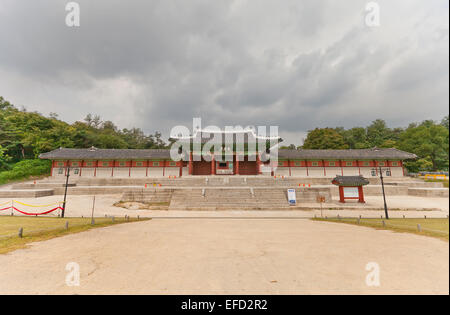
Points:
(185, 171)
(104, 172)
(351, 171)
(299, 171)
(397, 171)
(281, 171)
(55, 172)
(155, 172)
(316, 171)
(333, 171)
(121, 172)
(366, 171)
(138, 171)
(87, 172)
(172, 171)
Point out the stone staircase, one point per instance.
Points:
(240, 198)
(197, 184)
(156, 196)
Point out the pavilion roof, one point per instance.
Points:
(350, 181)
(95, 153)
(351, 154)
(134, 154)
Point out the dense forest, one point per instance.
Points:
(428, 140)
(24, 135)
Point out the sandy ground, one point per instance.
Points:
(82, 206)
(230, 256)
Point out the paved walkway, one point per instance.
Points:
(229, 256)
(82, 206)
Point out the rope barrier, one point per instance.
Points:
(42, 213)
(37, 206)
(12, 202)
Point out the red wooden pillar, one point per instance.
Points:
(51, 170)
(359, 167)
(67, 166)
(164, 167)
(324, 170)
(307, 170)
(191, 166)
(81, 166)
(180, 174)
(376, 167)
(258, 164)
(272, 173)
(95, 168)
(289, 164)
(112, 168)
(361, 194)
(389, 166)
(213, 165)
(342, 170)
(403, 169)
(146, 169)
(237, 164)
(341, 194)
(129, 169)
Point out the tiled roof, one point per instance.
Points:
(375, 153)
(350, 181)
(221, 136)
(94, 153)
(134, 154)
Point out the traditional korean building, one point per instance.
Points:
(241, 157)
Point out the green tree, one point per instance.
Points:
(355, 138)
(324, 138)
(378, 133)
(444, 122)
(3, 159)
(429, 141)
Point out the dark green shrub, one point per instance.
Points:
(25, 169)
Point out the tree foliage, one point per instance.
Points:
(25, 135)
(429, 140)
(324, 138)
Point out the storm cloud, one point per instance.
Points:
(295, 64)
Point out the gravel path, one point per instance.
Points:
(230, 256)
(82, 206)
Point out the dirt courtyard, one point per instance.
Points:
(413, 207)
(230, 256)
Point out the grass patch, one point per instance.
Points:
(438, 228)
(443, 181)
(43, 228)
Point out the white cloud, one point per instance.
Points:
(295, 64)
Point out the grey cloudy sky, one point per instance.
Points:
(296, 64)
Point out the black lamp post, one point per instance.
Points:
(384, 195)
(65, 192)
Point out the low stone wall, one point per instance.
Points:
(26, 193)
(147, 195)
(428, 192)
